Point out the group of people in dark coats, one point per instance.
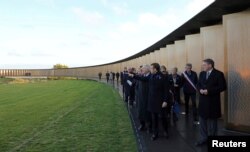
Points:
(150, 88)
(110, 76)
(154, 91)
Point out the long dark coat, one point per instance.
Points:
(210, 104)
(158, 91)
(129, 90)
(142, 105)
(175, 90)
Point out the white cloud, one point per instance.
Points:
(49, 3)
(90, 18)
(128, 27)
(196, 6)
(119, 8)
(104, 2)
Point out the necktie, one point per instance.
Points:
(208, 73)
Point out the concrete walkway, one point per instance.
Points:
(182, 135)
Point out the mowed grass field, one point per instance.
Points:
(63, 115)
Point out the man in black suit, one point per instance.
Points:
(158, 98)
(129, 87)
(107, 76)
(122, 74)
(190, 80)
(211, 83)
(100, 76)
(113, 76)
(117, 76)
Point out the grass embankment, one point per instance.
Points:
(63, 115)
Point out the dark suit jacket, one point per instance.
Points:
(210, 104)
(143, 88)
(129, 90)
(117, 75)
(187, 87)
(175, 90)
(107, 75)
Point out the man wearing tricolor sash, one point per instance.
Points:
(190, 80)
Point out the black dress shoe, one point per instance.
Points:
(175, 119)
(141, 128)
(149, 131)
(154, 137)
(200, 143)
(165, 134)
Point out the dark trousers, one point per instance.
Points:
(208, 127)
(155, 121)
(131, 98)
(107, 80)
(146, 121)
(187, 96)
(126, 96)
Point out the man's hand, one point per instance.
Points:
(131, 75)
(164, 104)
(204, 91)
(201, 91)
(176, 85)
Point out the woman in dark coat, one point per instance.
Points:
(175, 82)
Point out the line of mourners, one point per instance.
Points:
(156, 93)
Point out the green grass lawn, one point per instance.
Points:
(63, 115)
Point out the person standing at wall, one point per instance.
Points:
(210, 85)
(137, 84)
(107, 76)
(129, 87)
(122, 74)
(164, 70)
(117, 76)
(175, 82)
(166, 75)
(113, 76)
(190, 80)
(100, 76)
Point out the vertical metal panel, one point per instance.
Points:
(171, 56)
(157, 56)
(180, 55)
(194, 52)
(164, 56)
(237, 44)
(212, 41)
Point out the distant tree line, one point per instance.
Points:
(60, 66)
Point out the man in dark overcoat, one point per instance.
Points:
(158, 97)
(210, 85)
(143, 113)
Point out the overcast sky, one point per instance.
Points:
(41, 33)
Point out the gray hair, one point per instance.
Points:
(146, 66)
